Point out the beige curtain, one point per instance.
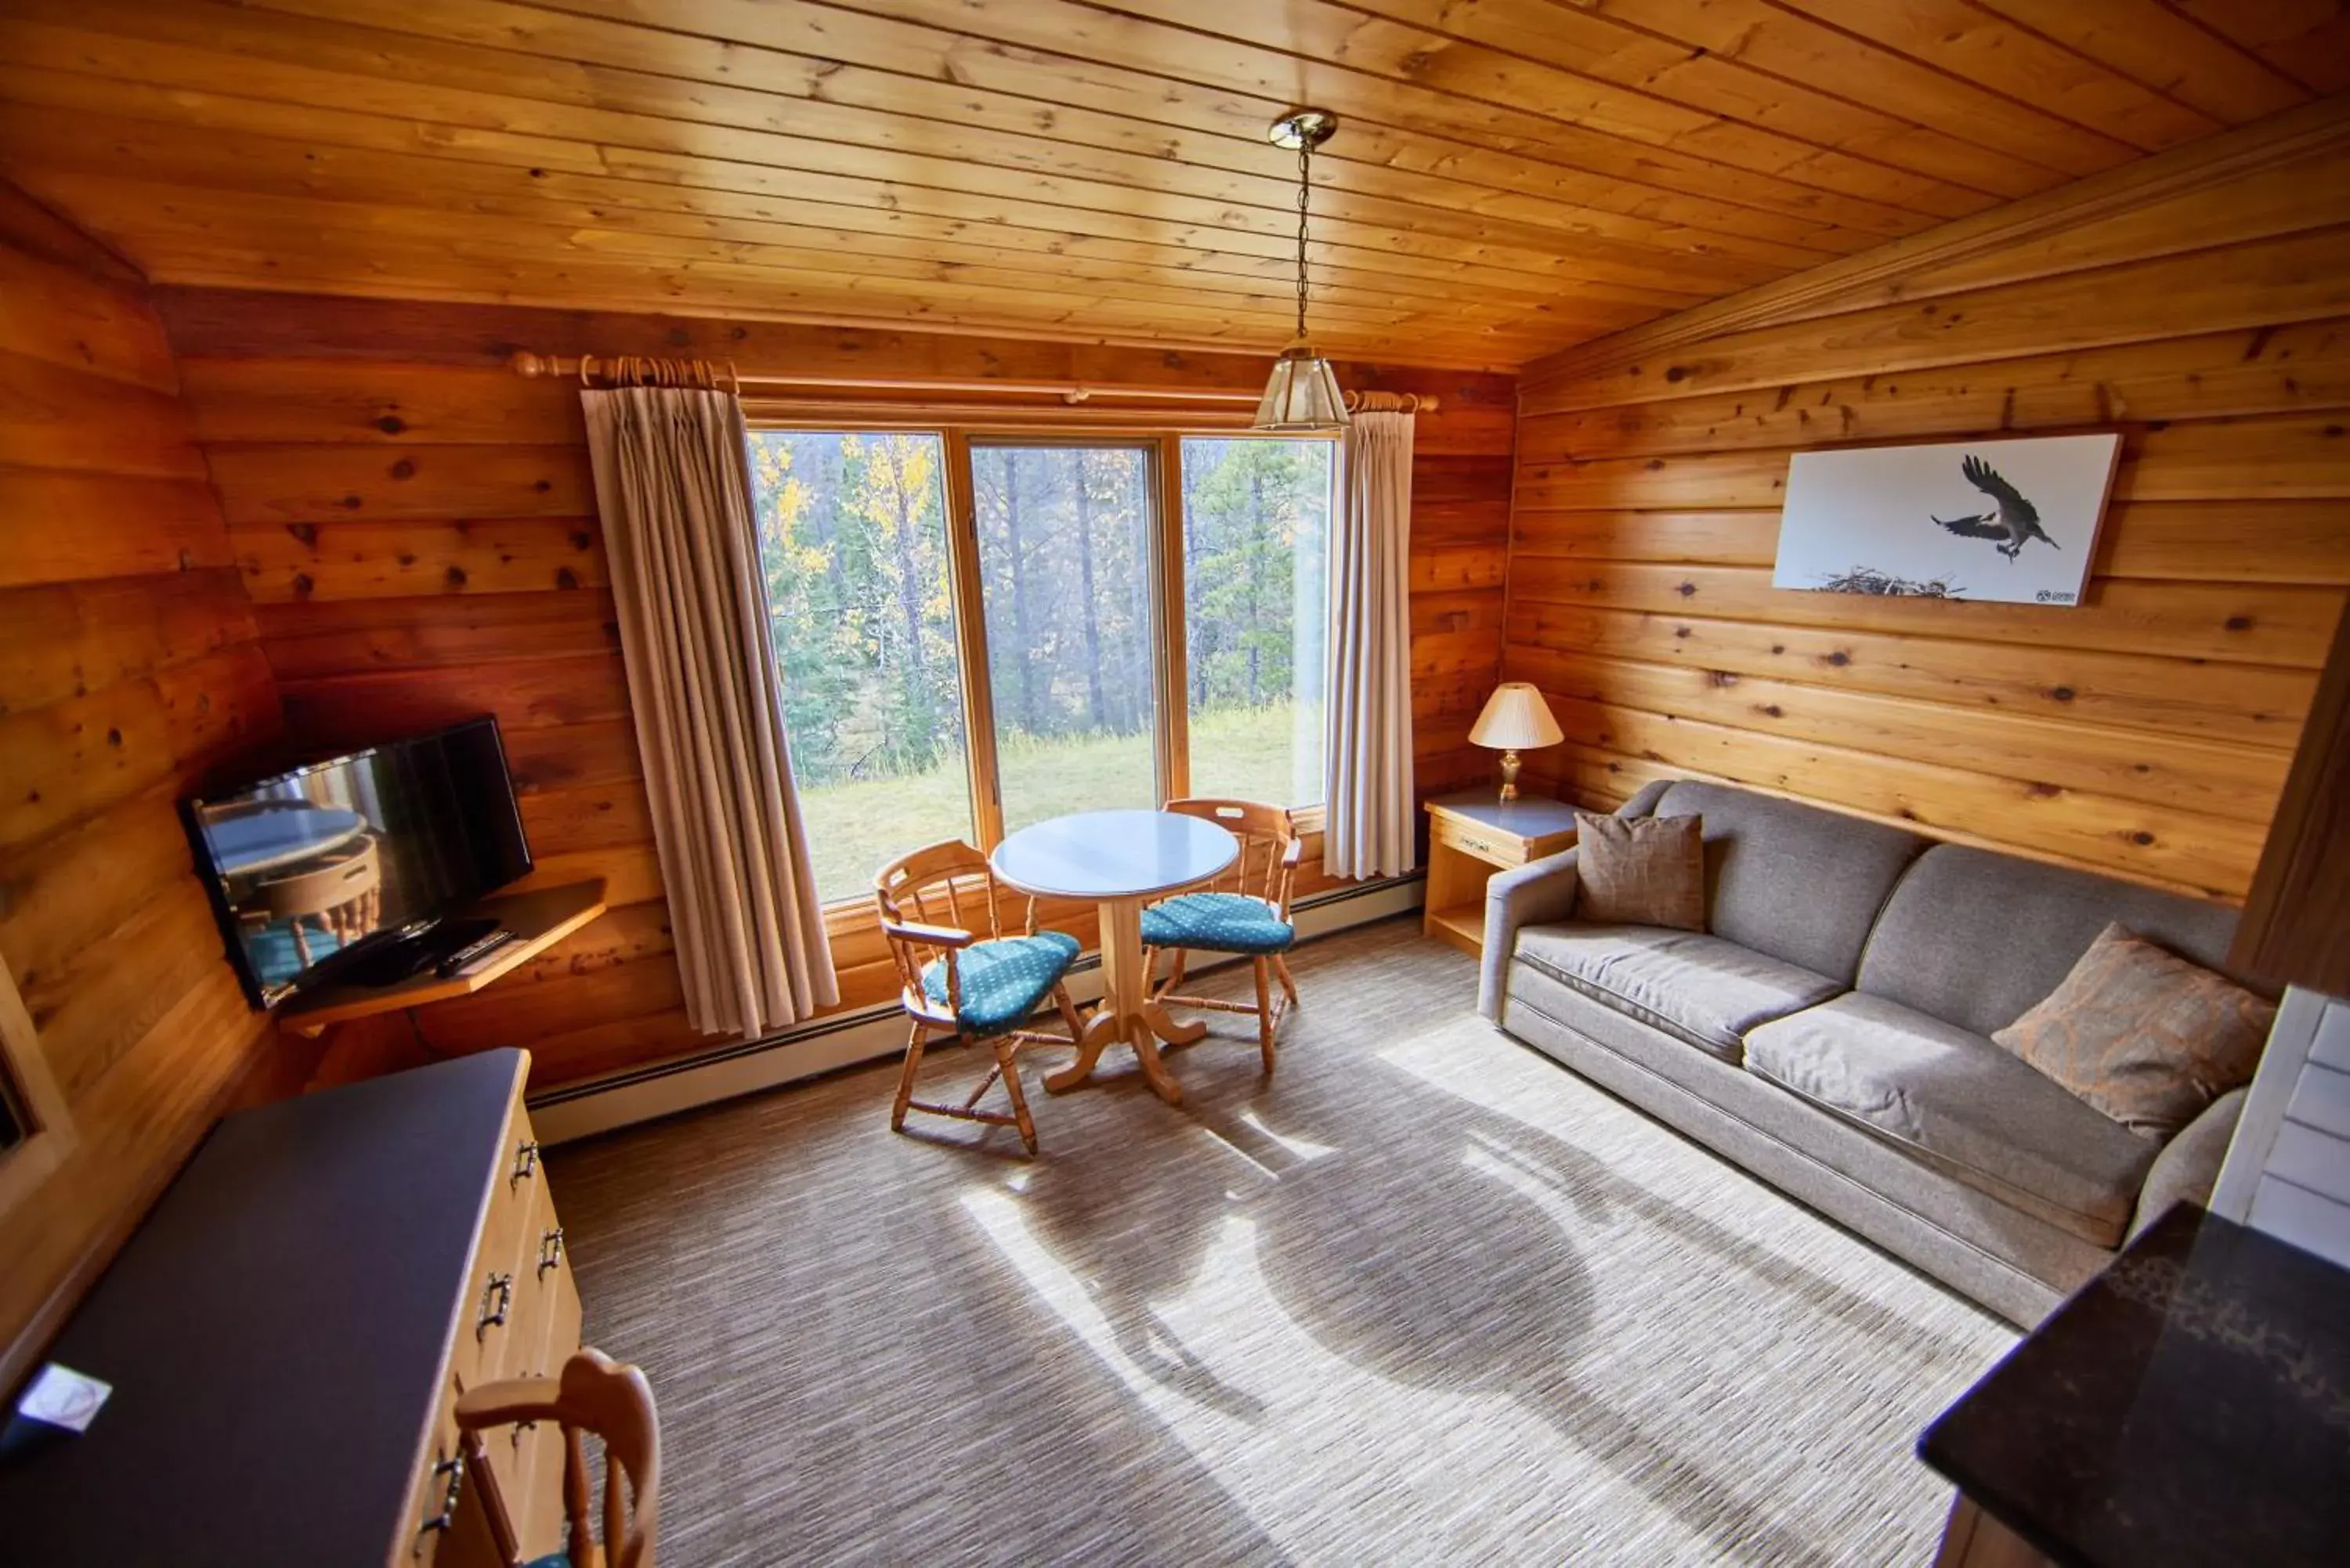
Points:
(1367, 829)
(673, 484)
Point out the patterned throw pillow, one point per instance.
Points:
(2142, 1034)
(1641, 871)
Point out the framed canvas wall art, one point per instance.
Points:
(2012, 521)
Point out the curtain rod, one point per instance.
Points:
(642, 370)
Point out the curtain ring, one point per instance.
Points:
(734, 373)
(586, 363)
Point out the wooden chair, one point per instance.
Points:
(1244, 911)
(960, 974)
(594, 1394)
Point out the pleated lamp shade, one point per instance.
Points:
(1302, 394)
(1515, 719)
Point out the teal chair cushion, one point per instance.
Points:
(1004, 980)
(1217, 922)
(552, 1560)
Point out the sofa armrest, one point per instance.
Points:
(1524, 895)
(2188, 1163)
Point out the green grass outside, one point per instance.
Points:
(854, 828)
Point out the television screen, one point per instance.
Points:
(309, 868)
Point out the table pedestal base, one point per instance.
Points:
(1127, 1013)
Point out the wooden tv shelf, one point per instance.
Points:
(539, 918)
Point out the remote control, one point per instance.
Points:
(458, 962)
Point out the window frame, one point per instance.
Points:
(1163, 437)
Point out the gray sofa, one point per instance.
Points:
(1830, 1033)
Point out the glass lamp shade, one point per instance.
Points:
(1515, 718)
(1302, 394)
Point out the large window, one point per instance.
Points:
(924, 585)
(853, 538)
(1065, 563)
(1256, 532)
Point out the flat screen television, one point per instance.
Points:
(313, 870)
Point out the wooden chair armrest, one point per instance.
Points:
(505, 1403)
(931, 936)
(1296, 855)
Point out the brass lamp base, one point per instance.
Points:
(1509, 775)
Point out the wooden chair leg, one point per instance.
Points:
(1005, 1048)
(1281, 968)
(906, 1080)
(1068, 1012)
(1265, 1008)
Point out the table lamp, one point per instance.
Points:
(1515, 715)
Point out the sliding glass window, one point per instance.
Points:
(853, 541)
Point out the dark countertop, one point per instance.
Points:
(277, 1334)
(2190, 1405)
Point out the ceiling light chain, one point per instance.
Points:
(1305, 189)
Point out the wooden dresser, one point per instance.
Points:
(288, 1333)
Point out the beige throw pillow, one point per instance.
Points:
(2142, 1034)
(1641, 871)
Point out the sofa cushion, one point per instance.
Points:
(2145, 1036)
(2013, 1261)
(1974, 938)
(1640, 871)
(1798, 883)
(1960, 1101)
(1697, 988)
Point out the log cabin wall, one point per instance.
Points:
(129, 664)
(415, 526)
(2200, 304)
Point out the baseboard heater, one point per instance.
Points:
(868, 1034)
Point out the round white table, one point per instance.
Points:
(1120, 860)
(275, 836)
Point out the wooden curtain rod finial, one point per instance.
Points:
(630, 370)
(1392, 402)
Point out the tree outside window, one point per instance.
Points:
(852, 537)
(1257, 532)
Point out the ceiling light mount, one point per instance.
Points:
(1302, 394)
(1302, 127)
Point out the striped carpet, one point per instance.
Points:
(1423, 1297)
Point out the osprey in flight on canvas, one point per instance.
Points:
(2014, 525)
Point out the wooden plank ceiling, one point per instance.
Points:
(1513, 177)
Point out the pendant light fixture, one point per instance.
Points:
(1302, 393)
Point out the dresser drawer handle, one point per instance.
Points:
(453, 1467)
(525, 1162)
(550, 1251)
(1477, 847)
(502, 1287)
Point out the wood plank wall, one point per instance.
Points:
(2201, 305)
(416, 525)
(128, 662)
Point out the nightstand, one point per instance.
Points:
(1471, 836)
